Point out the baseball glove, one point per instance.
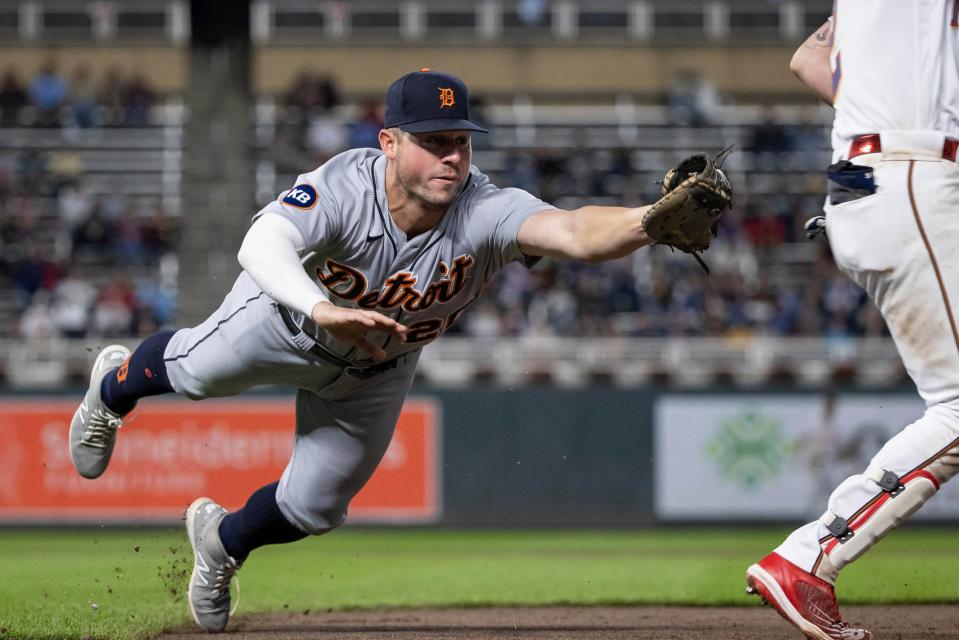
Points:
(696, 193)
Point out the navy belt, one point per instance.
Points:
(332, 358)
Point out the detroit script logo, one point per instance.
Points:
(399, 291)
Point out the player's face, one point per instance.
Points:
(433, 166)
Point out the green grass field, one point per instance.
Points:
(123, 584)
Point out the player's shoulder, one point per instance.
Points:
(351, 164)
(342, 177)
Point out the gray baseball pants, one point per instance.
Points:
(344, 423)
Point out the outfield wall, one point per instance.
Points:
(599, 456)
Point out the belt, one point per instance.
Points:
(870, 143)
(321, 353)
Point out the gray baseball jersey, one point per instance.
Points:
(358, 256)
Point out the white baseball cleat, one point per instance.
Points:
(93, 430)
(805, 600)
(209, 591)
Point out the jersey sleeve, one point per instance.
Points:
(311, 205)
(500, 214)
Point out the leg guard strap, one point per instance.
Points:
(888, 481)
(837, 525)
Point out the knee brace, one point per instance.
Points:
(899, 497)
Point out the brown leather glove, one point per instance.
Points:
(696, 193)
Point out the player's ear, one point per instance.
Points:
(389, 140)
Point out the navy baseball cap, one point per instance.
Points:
(426, 100)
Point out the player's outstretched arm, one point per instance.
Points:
(696, 194)
(590, 234)
(811, 64)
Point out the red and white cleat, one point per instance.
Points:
(806, 601)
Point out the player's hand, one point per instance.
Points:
(350, 326)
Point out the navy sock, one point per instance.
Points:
(258, 523)
(143, 374)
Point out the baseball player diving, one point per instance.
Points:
(891, 70)
(346, 276)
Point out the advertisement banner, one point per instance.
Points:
(169, 453)
(769, 457)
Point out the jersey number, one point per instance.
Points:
(431, 329)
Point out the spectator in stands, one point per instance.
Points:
(37, 320)
(113, 312)
(30, 272)
(302, 93)
(366, 130)
(111, 96)
(811, 136)
(621, 294)
(73, 300)
(327, 94)
(128, 239)
(693, 100)
(760, 309)
(154, 303)
(63, 166)
(483, 321)
(520, 171)
(83, 98)
(325, 137)
(768, 137)
(48, 91)
(13, 98)
(74, 205)
(112, 205)
(31, 172)
(765, 227)
(138, 101)
(551, 167)
(555, 311)
(841, 302)
(310, 92)
(92, 240)
(159, 233)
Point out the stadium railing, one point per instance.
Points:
(460, 362)
(559, 21)
(94, 20)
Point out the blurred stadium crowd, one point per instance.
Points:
(75, 263)
(80, 264)
(50, 99)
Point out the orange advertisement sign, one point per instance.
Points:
(169, 453)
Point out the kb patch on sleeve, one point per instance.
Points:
(302, 196)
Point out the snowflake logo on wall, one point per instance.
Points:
(749, 448)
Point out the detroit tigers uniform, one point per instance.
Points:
(330, 238)
(896, 83)
(347, 405)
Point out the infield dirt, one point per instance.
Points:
(902, 622)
